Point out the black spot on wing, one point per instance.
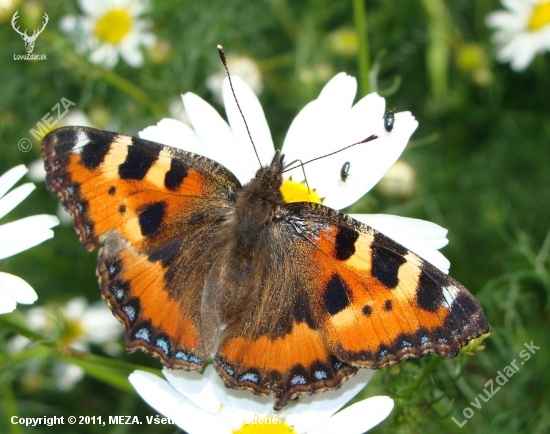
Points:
(166, 254)
(64, 138)
(345, 242)
(139, 160)
(302, 311)
(388, 306)
(336, 296)
(367, 310)
(429, 295)
(387, 257)
(151, 218)
(94, 152)
(112, 190)
(175, 176)
(122, 209)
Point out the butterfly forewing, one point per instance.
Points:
(156, 209)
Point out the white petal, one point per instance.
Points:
(166, 400)
(320, 127)
(90, 7)
(214, 134)
(37, 171)
(359, 417)
(195, 387)
(20, 291)
(339, 92)
(37, 318)
(25, 233)
(525, 55)
(99, 324)
(234, 417)
(174, 133)
(517, 6)
(420, 236)
(368, 163)
(7, 303)
(504, 20)
(14, 198)
(68, 23)
(8, 179)
(66, 375)
(257, 124)
(132, 55)
(75, 308)
(313, 410)
(63, 215)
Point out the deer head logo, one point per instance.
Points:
(29, 40)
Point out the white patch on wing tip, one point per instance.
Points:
(450, 293)
(82, 140)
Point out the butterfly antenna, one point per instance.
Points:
(303, 170)
(368, 139)
(222, 57)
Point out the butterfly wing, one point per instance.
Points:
(155, 209)
(356, 299)
(378, 302)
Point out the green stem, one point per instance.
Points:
(129, 88)
(363, 60)
(10, 408)
(12, 326)
(430, 367)
(71, 355)
(438, 52)
(68, 353)
(284, 13)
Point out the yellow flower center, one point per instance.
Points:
(540, 17)
(265, 425)
(113, 26)
(297, 192)
(73, 331)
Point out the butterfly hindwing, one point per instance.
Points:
(154, 208)
(273, 343)
(377, 302)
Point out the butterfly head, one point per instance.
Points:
(259, 202)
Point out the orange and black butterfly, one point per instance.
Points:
(288, 298)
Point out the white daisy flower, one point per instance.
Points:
(523, 30)
(82, 326)
(110, 28)
(18, 236)
(200, 403)
(325, 125)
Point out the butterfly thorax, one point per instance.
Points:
(257, 207)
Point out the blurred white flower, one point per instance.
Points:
(200, 403)
(523, 31)
(17, 236)
(242, 66)
(109, 29)
(327, 124)
(399, 180)
(79, 325)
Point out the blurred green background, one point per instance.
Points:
(480, 160)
